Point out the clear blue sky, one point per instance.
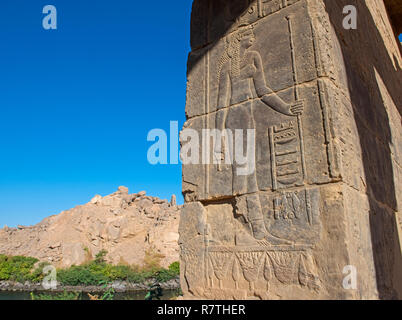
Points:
(78, 102)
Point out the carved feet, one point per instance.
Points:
(261, 233)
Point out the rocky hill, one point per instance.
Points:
(125, 225)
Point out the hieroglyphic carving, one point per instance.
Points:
(236, 273)
(220, 264)
(250, 263)
(250, 11)
(209, 272)
(192, 264)
(268, 272)
(287, 206)
(286, 163)
(289, 267)
(285, 265)
(284, 137)
(307, 273)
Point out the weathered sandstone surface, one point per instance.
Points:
(323, 202)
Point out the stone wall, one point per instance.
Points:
(372, 87)
(323, 102)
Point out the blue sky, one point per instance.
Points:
(78, 102)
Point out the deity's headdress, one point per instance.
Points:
(232, 49)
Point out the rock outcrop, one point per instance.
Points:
(125, 225)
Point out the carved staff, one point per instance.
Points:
(299, 120)
(206, 256)
(296, 92)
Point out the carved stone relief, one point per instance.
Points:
(256, 65)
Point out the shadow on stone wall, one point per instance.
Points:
(202, 33)
(366, 57)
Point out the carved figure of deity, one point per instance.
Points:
(240, 68)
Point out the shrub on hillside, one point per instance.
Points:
(96, 272)
(16, 268)
(175, 267)
(80, 275)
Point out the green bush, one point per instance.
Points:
(80, 275)
(17, 268)
(96, 272)
(172, 272)
(100, 257)
(37, 274)
(175, 266)
(165, 275)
